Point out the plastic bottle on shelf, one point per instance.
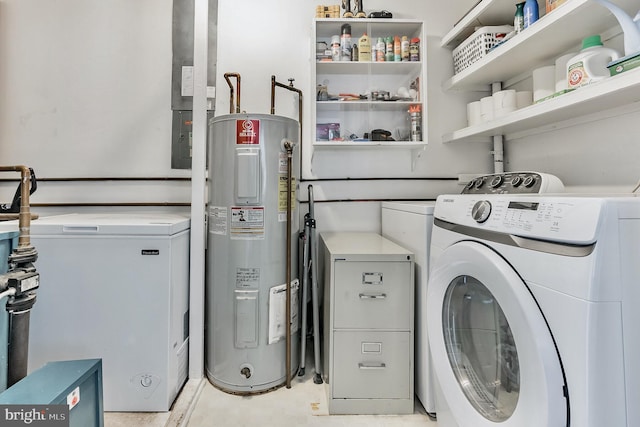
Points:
(364, 48)
(518, 19)
(404, 48)
(590, 65)
(397, 49)
(345, 43)
(415, 115)
(354, 53)
(414, 49)
(381, 48)
(389, 49)
(335, 48)
(531, 13)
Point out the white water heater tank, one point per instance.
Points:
(247, 251)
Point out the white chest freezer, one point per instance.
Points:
(115, 287)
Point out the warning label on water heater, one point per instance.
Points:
(247, 131)
(282, 196)
(218, 220)
(247, 223)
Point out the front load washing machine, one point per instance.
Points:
(532, 310)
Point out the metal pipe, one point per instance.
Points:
(24, 218)
(237, 76)
(19, 307)
(289, 147)
(291, 88)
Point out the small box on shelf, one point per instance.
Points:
(327, 131)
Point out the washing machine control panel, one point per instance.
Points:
(514, 183)
(569, 219)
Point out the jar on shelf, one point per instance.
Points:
(415, 115)
(414, 50)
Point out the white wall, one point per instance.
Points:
(258, 40)
(86, 89)
(86, 93)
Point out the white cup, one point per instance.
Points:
(561, 71)
(544, 82)
(524, 98)
(486, 108)
(504, 102)
(474, 113)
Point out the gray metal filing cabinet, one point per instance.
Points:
(368, 324)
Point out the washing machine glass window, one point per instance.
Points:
(481, 348)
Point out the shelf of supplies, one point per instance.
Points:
(358, 144)
(327, 27)
(348, 67)
(484, 13)
(617, 91)
(539, 44)
(364, 105)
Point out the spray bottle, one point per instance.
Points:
(364, 48)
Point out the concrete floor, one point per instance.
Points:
(304, 404)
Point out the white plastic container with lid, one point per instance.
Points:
(590, 65)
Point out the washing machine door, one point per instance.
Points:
(492, 351)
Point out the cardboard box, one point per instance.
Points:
(552, 4)
(626, 63)
(327, 131)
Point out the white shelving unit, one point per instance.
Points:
(536, 46)
(360, 78)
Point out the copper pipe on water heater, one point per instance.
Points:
(289, 147)
(291, 88)
(237, 76)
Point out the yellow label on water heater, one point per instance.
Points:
(282, 196)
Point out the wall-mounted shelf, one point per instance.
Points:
(368, 67)
(622, 89)
(361, 144)
(537, 45)
(484, 13)
(360, 117)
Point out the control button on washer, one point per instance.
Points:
(481, 211)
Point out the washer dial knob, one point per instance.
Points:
(496, 181)
(481, 211)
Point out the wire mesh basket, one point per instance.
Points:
(477, 45)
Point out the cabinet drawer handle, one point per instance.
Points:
(370, 366)
(372, 296)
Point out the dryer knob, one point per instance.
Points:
(481, 211)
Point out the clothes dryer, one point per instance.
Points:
(532, 310)
(409, 224)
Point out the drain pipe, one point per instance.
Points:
(291, 88)
(288, 146)
(237, 76)
(498, 140)
(20, 283)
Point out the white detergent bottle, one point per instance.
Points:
(590, 65)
